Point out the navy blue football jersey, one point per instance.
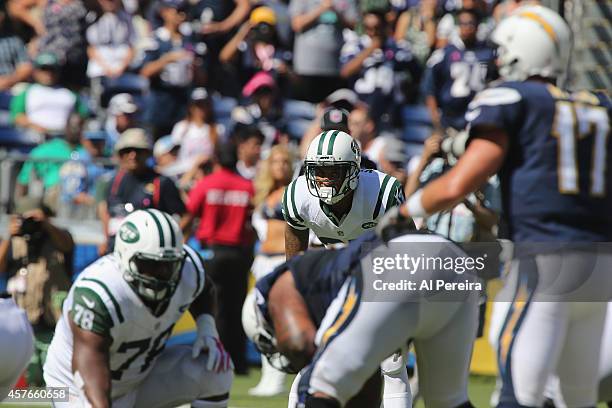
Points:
(319, 274)
(556, 180)
(453, 76)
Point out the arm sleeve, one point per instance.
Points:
(18, 105)
(290, 209)
(396, 195)
(499, 107)
(428, 85)
(90, 313)
(21, 54)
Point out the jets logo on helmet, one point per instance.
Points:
(129, 233)
(149, 248)
(332, 166)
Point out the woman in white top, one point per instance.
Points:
(198, 133)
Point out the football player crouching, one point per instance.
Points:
(109, 345)
(314, 314)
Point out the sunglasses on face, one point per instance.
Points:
(129, 150)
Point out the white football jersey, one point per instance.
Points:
(375, 193)
(101, 301)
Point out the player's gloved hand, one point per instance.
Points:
(208, 340)
(393, 222)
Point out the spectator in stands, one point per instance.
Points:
(363, 129)
(376, 65)
(78, 177)
(417, 25)
(44, 106)
(110, 47)
(265, 109)
(110, 40)
(64, 36)
(135, 186)
(165, 153)
(57, 151)
(448, 29)
(318, 26)
(343, 98)
(198, 133)
(170, 67)
(249, 140)
(455, 73)
(222, 201)
(25, 16)
(37, 259)
(122, 114)
(274, 175)
(256, 47)
(14, 63)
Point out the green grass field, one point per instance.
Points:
(480, 390)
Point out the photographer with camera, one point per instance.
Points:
(37, 258)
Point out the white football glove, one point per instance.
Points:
(208, 340)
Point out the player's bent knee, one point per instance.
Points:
(319, 402)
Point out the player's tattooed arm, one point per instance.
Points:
(296, 241)
(90, 358)
(294, 330)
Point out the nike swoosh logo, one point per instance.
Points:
(88, 302)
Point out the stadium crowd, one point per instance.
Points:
(109, 106)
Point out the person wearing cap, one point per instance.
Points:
(134, 186)
(44, 106)
(172, 64)
(264, 111)
(258, 45)
(318, 26)
(165, 153)
(37, 260)
(122, 115)
(198, 133)
(332, 119)
(78, 177)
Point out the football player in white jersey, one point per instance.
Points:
(109, 345)
(335, 199)
(338, 202)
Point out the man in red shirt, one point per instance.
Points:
(222, 201)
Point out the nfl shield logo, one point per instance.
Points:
(335, 116)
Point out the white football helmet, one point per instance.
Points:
(338, 149)
(534, 40)
(149, 247)
(260, 333)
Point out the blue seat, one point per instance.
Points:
(297, 127)
(416, 133)
(413, 149)
(293, 109)
(223, 106)
(415, 115)
(133, 84)
(13, 139)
